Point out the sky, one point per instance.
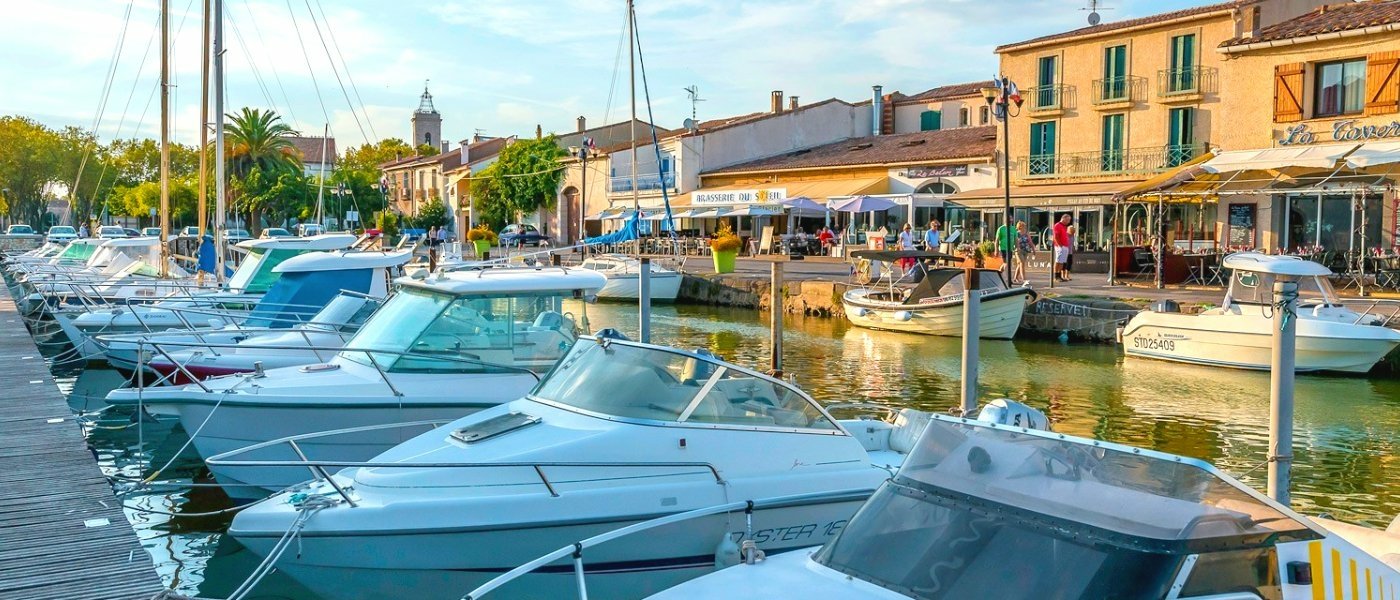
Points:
(499, 67)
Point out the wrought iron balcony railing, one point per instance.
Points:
(1112, 90)
(1186, 81)
(1047, 97)
(647, 181)
(1131, 161)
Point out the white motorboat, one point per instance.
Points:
(623, 273)
(443, 346)
(934, 304)
(254, 277)
(1239, 334)
(318, 300)
(119, 270)
(620, 432)
(987, 511)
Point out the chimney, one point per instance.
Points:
(777, 105)
(792, 103)
(466, 154)
(444, 147)
(878, 109)
(539, 132)
(582, 124)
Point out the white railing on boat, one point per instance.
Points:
(575, 550)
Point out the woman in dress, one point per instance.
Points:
(1023, 253)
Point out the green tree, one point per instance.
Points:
(359, 171)
(432, 214)
(427, 150)
(524, 179)
(262, 163)
(31, 158)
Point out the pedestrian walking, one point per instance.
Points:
(932, 237)
(1023, 253)
(432, 249)
(1061, 238)
(906, 242)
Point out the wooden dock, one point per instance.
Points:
(62, 531)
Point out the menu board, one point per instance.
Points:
(1242, 225)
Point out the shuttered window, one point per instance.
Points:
(930, 120)
(1042, 159)
(1383, 83)
(1340, 88)
(1112, 143)
(1288, 93)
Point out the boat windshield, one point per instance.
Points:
(1249, 287)
(345, 311)
(465, 334)
(78, 252)
(255, 273)
(624, 379)
(977, 508)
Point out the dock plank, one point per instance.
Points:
(50, 486)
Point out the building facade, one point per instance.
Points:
(943, 107)
(427, 123)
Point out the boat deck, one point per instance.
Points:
(62, 532)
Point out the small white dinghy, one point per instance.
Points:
(934, 304)
(623, 273)
(1239, 334)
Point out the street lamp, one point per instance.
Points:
(1000, 98)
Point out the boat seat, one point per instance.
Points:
(909, 424)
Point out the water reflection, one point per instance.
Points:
(1347, 428)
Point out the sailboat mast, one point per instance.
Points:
(219, 192)
(321, 193)
(632, 83)
(204, 128)
(164, 137)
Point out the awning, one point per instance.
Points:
(1279, 159)
(817, 189)
(1374, 154)
(754, 210)
(1172, 179)
(1058, 195)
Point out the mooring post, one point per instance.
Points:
(776, 309)
(971, 330)
(644, 299)
(1281, 389)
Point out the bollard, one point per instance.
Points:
(644, 299)
(971, 326)
(1281, 372)
(775, 316)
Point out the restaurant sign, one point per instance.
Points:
(935, 171)
(1346, 130)
(769, 196)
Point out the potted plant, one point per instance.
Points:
(724, 247)
(482, 238)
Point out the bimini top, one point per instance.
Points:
(132, 242)
(1274, 264)
(510, 281)
(894, 255)
(342, 260)
(328, 241)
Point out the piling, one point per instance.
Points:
(1281, 372)
(775, 318)
(644, 299)
(971, 332)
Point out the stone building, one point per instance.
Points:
(427, 123)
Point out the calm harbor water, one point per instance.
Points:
(1347, 429)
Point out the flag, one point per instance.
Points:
(1015, 93)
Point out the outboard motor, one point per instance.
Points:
(1165, 306)
(1004, 411)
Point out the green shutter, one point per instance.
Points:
(930, 120)
(1181, 134)
(1042, 159)
(1183, 62)
(1112, 142)
(1115, 73)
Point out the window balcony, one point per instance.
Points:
(1118, 92)
(645, 182)
(1049, 100)
(1189, 84)
(1131, 161)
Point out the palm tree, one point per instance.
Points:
(259, 153)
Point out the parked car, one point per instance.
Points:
(61, 234)
(111, 232)
(310, 229)
(19, 229)
(150, 231)
(275, 232)
(189, 232)
(237, 235)
(523, 234)
(132, 232)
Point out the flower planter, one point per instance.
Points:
(482, 247)
(724, 260)
(988, 262)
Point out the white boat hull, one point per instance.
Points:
(664, 287)
(1246, 342)
(999, 317)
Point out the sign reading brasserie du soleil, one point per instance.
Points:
(1345, 130)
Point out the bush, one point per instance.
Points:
(388, 225)
(481, 232)
(725, 240)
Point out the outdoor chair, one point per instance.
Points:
(1144, 263)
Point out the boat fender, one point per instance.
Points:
(1004, 411)
(903, 315)
(726, 553)
(861, 312)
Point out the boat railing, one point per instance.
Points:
(1385, 309)
(161, 348)
(576, 549)
(319, 468)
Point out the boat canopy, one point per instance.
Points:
(1274, 264)
(614, 378)
(328, 241)
(894, 255)
(298, 295)
(938, 283)
(335, 261)
(488, 282)
(80, 250)
(980, 507)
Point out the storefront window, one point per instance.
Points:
(1341, 88)
(1333, 223)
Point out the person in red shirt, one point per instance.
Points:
(826, 237)
(1060, 233)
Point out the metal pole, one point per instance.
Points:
(776, 309)
(204, 129)
(1281, 390)
(164, 137)
(1006, 174)
(971, 325)
(644, 298)
(583, 201)
(220, 192)
(632, 81)
(1161, 229)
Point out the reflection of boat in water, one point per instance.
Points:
(90, 389)
(623, 273)
(1239, 334)
(934, 305)
(980, 511)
